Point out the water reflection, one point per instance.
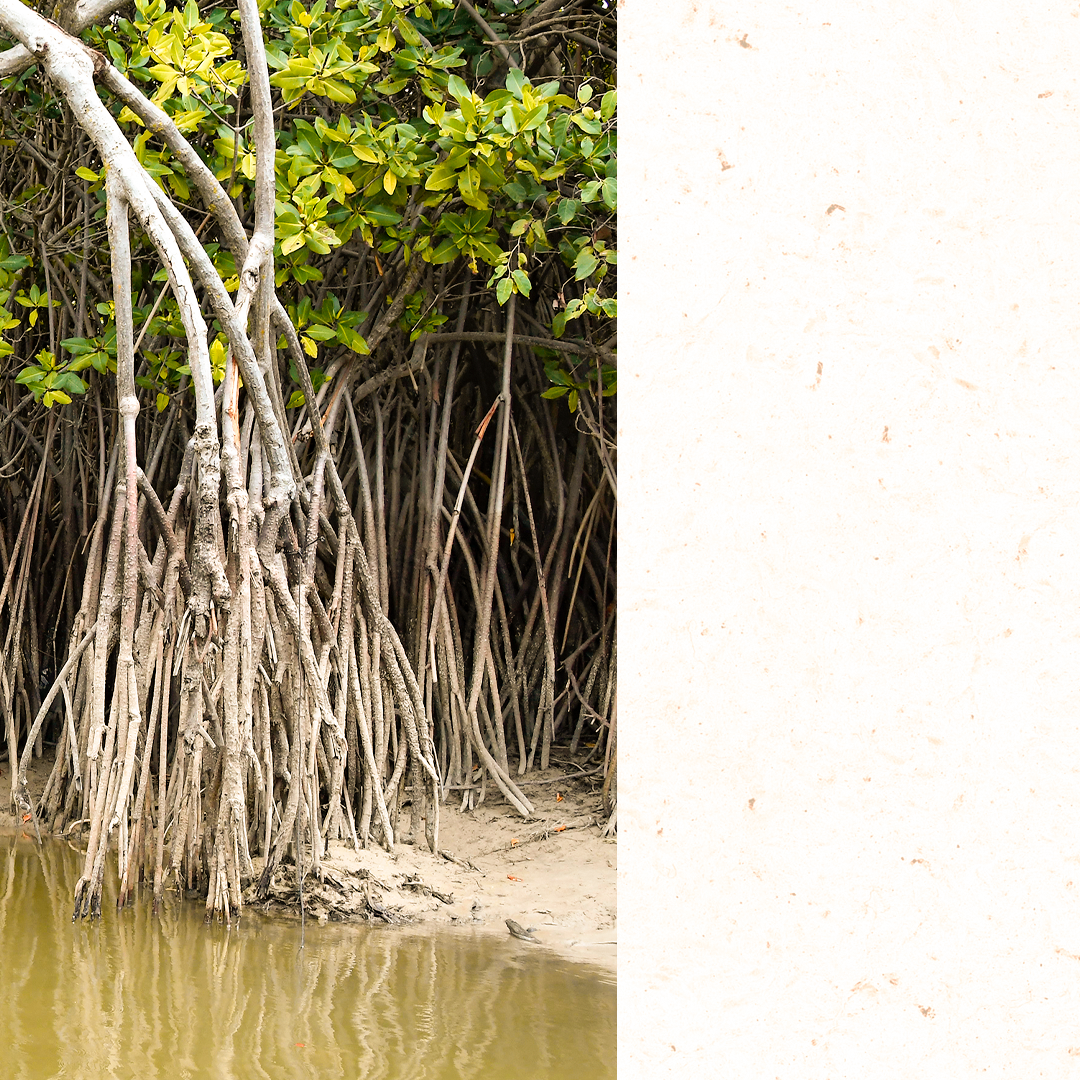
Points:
(132, 995)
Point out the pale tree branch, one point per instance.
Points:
(75, 19)
(71, 66)
(217, 202)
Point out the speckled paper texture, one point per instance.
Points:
(850, 540)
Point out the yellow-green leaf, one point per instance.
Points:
(407, 30)
(292, 243)
(521, 280)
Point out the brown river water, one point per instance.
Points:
(133, 995)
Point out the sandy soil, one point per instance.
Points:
(553, 873)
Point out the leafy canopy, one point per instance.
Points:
(395, 130)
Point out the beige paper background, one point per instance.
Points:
(850, 569)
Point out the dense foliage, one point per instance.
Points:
(444, 199)
(384, 152)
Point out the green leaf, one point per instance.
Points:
(69, 381)
(607, 106)
(556, 392)
(304, 274)
(77, 346)
(441, 178)
(567, 209)
(320, 239)
(292, 243)
(350, 338)
(535, 117)
(556, 374)
(335, 90)
(509, 120)
(457, 88)
(469, 186)
(590, 127)
(296, 399)
(514, 82)
(521, 280)
(162, 402)
(87, 174)
(572, 400)
(407, 30)
(446, 251)
(590, 192)
(179, 186)
(381, 215)
(503, 290)
(585, 92)
(487, 251)
(584, 264)
(390, 86)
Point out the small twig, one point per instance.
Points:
(427, 890)
(463, 863)
(561, 345)
(565, 776)
(603, 50)
(544, 834)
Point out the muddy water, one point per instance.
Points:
(131, 995)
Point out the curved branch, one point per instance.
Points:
(592, 43)
(19, 57)
(219, 204)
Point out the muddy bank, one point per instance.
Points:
(553, 874)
